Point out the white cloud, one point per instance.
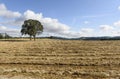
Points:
(6, 29)
(87, 30)
(117, 23)
(10, 31)
(3, 28)
(29, 14)
(4, 12)
(54, 26)
(86, 22)
(50, 25)
(106, 27)
(2, 7)
(84, 32)
(118, 7)
(116, 33)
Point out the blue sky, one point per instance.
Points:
(71, 18)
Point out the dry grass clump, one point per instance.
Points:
(59, 59)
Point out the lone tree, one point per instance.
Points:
(32, 27)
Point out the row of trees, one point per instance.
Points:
(4, 36)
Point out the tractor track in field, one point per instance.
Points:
(59, 59)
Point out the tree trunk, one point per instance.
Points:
(34, 37)
(30, 37)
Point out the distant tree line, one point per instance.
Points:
(85, 38)
(4, 36)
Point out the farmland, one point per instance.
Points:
(59, 59)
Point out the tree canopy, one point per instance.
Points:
(32, 27)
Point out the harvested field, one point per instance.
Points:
(59, 59)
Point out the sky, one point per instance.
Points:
(66, 18)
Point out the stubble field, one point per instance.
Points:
(59, 59)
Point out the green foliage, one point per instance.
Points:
(4, 36)
(1, 36)
(31, 27)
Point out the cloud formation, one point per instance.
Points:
(117, 23)
(118, 7)
(3, 28)
(11, 31)
(86, 22)
(87, 30)
(51, 26)
(5, 13)
(106, 27)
